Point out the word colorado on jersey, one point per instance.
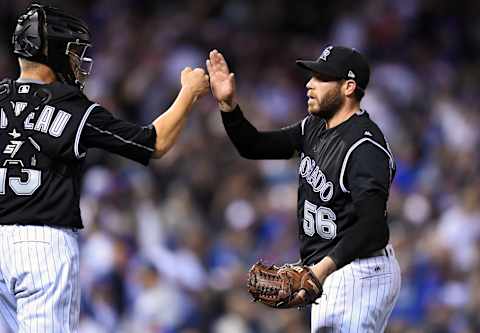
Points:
(315, 177)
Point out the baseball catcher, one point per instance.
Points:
(47, 126)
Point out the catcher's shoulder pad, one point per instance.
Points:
(5, 89)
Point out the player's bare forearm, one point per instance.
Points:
(324, 268)
(169, 125)
(195, 83)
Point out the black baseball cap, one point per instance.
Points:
(339, 62)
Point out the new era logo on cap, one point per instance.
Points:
(351, 74)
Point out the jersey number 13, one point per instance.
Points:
(27, 187)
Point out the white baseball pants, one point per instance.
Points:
(359, 297)
(39, 279)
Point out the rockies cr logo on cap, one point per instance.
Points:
(325, 53)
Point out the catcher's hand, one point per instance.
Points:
(283, 287)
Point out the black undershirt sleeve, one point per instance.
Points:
(368, 179)
(102, 130)
(252, 144)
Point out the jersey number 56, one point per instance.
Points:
(319, 219)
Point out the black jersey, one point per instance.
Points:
(45, 131)
(344, 172)
(325, 205)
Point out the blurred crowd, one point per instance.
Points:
(166, 248)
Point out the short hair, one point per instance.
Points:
(26, 64)
(358, 94)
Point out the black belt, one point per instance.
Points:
(378, 253)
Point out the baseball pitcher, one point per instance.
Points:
(348, 271)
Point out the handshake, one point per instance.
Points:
(219, 78)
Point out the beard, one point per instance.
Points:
(330, 104)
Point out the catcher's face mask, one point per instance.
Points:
(81, 64)
(47, 35)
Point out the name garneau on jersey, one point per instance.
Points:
(325, 208)
(40, 127)
(45, 121)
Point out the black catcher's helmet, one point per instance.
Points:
(47, 35)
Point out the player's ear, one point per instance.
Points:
(350, 86)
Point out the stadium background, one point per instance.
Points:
(166, 249)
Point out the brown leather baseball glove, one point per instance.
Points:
(287, 286)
